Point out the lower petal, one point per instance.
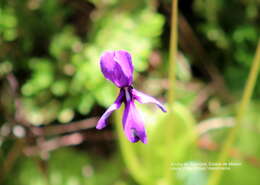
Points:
(103, 120)
(144, 98)
(133, 124)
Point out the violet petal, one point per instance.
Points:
(144, 98)
(103, 120)
(117, 67)
(133, 124)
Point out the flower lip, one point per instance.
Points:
(117, 67)
(133, 124)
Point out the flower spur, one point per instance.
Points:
(117, 67)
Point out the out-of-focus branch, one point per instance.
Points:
(19, 117)
(45, 146)
(214, 123)
(61, 129)
(201, 98)
(17, 147)
(221, 122)
(53, 144)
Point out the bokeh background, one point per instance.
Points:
(52, 91)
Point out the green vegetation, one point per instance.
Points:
(197, 61)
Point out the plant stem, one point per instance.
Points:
(250, 84)
(173, 53)
(169, 126)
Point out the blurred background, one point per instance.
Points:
(52, 91)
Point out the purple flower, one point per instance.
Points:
(117, 67)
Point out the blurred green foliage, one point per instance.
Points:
(63, 68)
(53, 48)
(233, 27)
(79, 171)
(8, 24)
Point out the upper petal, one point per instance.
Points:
(117, 66)
(144, 98)
(103, 120)
(124, 59)
(133, 124)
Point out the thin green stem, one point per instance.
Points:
(169, 126)
(216, 175)
(173, 52)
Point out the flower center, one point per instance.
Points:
(127, 94)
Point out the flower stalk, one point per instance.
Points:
(171, 92)
(173, 52)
